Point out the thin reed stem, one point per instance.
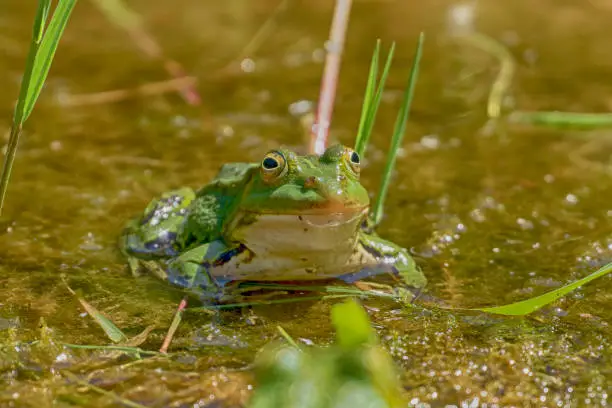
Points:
(334, 46)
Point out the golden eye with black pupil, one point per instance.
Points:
(354, 160)
(273, 165)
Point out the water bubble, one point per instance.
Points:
(524, 224)
(477, 215)
(247, 65)
(430, 142)
(571, 199)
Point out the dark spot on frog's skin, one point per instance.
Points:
(304, 259)
(365, 227)
(179, 280)
(300, 218)
(305, 229)
(372, 251)
(160, 246)
(228, 255)
(310, 270)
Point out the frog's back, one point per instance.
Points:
(182, 218)
(209, 210)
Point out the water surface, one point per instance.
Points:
(492, 214)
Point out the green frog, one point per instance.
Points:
(289, 217)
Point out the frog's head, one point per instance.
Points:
(287, 183)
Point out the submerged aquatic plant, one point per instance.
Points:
(43, 45)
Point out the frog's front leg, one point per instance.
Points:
(194, 268)
(382, 256)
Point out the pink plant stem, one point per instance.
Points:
(334, 46)
(173, 326)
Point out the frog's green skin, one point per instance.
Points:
(287, 218)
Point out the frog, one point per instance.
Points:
(289, 217)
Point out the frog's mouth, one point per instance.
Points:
(331, 219)
(317, 216)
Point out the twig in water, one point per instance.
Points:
(506, 72)
(335, 46)
(264, 31)
(119, 14)
(175, 323)
(152, 88)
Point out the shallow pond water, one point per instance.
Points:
(493, 214)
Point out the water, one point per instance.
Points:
(493, 215)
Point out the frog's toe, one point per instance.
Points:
(134, 266)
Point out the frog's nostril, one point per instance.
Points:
(310, 182)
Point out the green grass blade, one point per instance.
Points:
(367, 100)
(46, 52)
(530, 305)
(288, 338)
(377, 98)
(111, 330)
(38, 29)
(398, 132)
(563, 120)
(372, 100)
(42, 49)
(125, 349)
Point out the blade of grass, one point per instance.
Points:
(527, 306)
(141, 337)
(563, 120)
(325, 289)
(42, 50)
(111, 330)
(269, 302)
(38, 31)
(125, 349)
(503, 80)
(46, 52)
(288, 338)
(367, 100)
(363, 135)
(398, 133)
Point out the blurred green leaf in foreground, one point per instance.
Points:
(354, 372)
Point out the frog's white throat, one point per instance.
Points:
(292, 234)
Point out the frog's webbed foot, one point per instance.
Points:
(384, 257)
(401, 288)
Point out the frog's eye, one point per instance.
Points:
(273, 165)
(354, 160)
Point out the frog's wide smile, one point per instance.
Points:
(353, 211)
